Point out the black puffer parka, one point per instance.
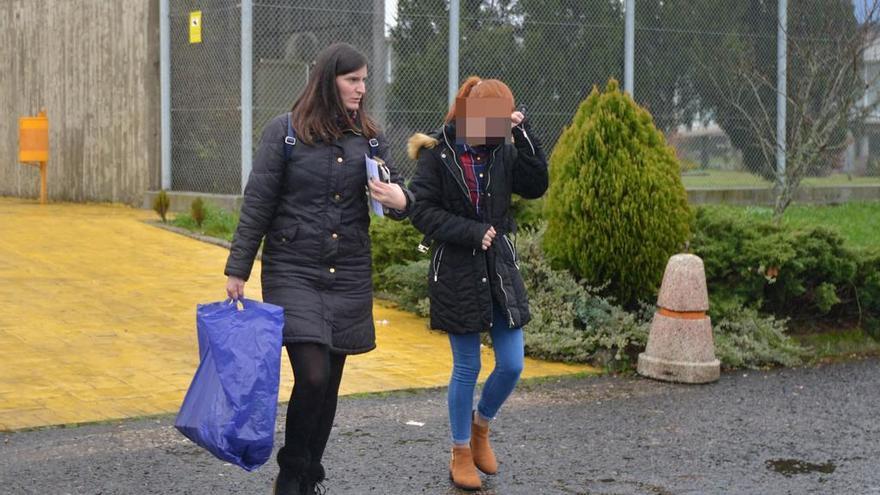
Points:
(463, 279)
(312, 210)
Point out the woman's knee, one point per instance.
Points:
(509, 364)
(313, 381)
(511, 370)
(466, 370)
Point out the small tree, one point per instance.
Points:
(198, 211)
(161, 204)
(616, 209)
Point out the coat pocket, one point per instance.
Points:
(284, 236)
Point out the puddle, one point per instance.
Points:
(791, 467)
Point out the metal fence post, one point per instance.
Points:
(377, 71)
(247, 100)
(165, 91)
(629, 47)
(781, 90)
(453, 49)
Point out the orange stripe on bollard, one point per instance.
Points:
(683, 315)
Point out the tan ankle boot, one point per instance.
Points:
(484, 458)
(462, 470)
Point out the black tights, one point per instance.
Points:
(312, 407)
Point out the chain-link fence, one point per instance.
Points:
(205, 98)
(705, 70)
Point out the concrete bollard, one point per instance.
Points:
(680, 346)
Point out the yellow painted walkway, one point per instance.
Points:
(97, 319)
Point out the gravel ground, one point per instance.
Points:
(797, 431)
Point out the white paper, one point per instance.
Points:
(373, 173)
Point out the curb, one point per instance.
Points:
(199, 237)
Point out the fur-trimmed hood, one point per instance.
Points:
(418, 141)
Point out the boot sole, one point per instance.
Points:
(464, 487)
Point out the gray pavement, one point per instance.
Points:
(794, 431)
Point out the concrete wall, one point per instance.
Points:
(94, 66)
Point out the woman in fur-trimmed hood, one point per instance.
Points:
(467, 171)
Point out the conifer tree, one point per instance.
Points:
(616, 209)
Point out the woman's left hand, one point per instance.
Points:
(390, 195)
(516, 118)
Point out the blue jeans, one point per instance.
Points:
(509, 349)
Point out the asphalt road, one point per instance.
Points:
(793, 431)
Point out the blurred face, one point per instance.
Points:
(482, 121)
(351, 88)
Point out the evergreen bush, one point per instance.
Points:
(161, 204)
(616, 209)
(392, 243)
(806, 274)
(197, 210)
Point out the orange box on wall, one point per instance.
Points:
(33, 138)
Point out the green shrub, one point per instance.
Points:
(393, 242)
(788, 272)
(572, 322)
(616, 208)
(197, 210)
(217, 222)
(746, 339)
(161, 204)
(405, 284)
(528, 213)
(867, 294)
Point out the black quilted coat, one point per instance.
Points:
(463, 280)
(312, 211)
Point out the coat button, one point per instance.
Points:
(337, 197)
(442, 155)
(335, 235)
(484, 280)
(339, 159)
(332, 270)
(284, 239)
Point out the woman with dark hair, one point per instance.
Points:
(467, 171)
(305, 196)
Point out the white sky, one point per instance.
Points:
(390, 15)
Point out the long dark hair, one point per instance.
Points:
(319, 111)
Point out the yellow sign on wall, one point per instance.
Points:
(195, 26)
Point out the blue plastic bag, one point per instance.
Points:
(231, 403)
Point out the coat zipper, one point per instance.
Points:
(489, 170)
(438, 258)
(506, 301)
(512, 251)
(463, 184)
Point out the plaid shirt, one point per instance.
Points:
(474, 161)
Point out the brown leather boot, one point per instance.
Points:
(462, 470)
(484, 458)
